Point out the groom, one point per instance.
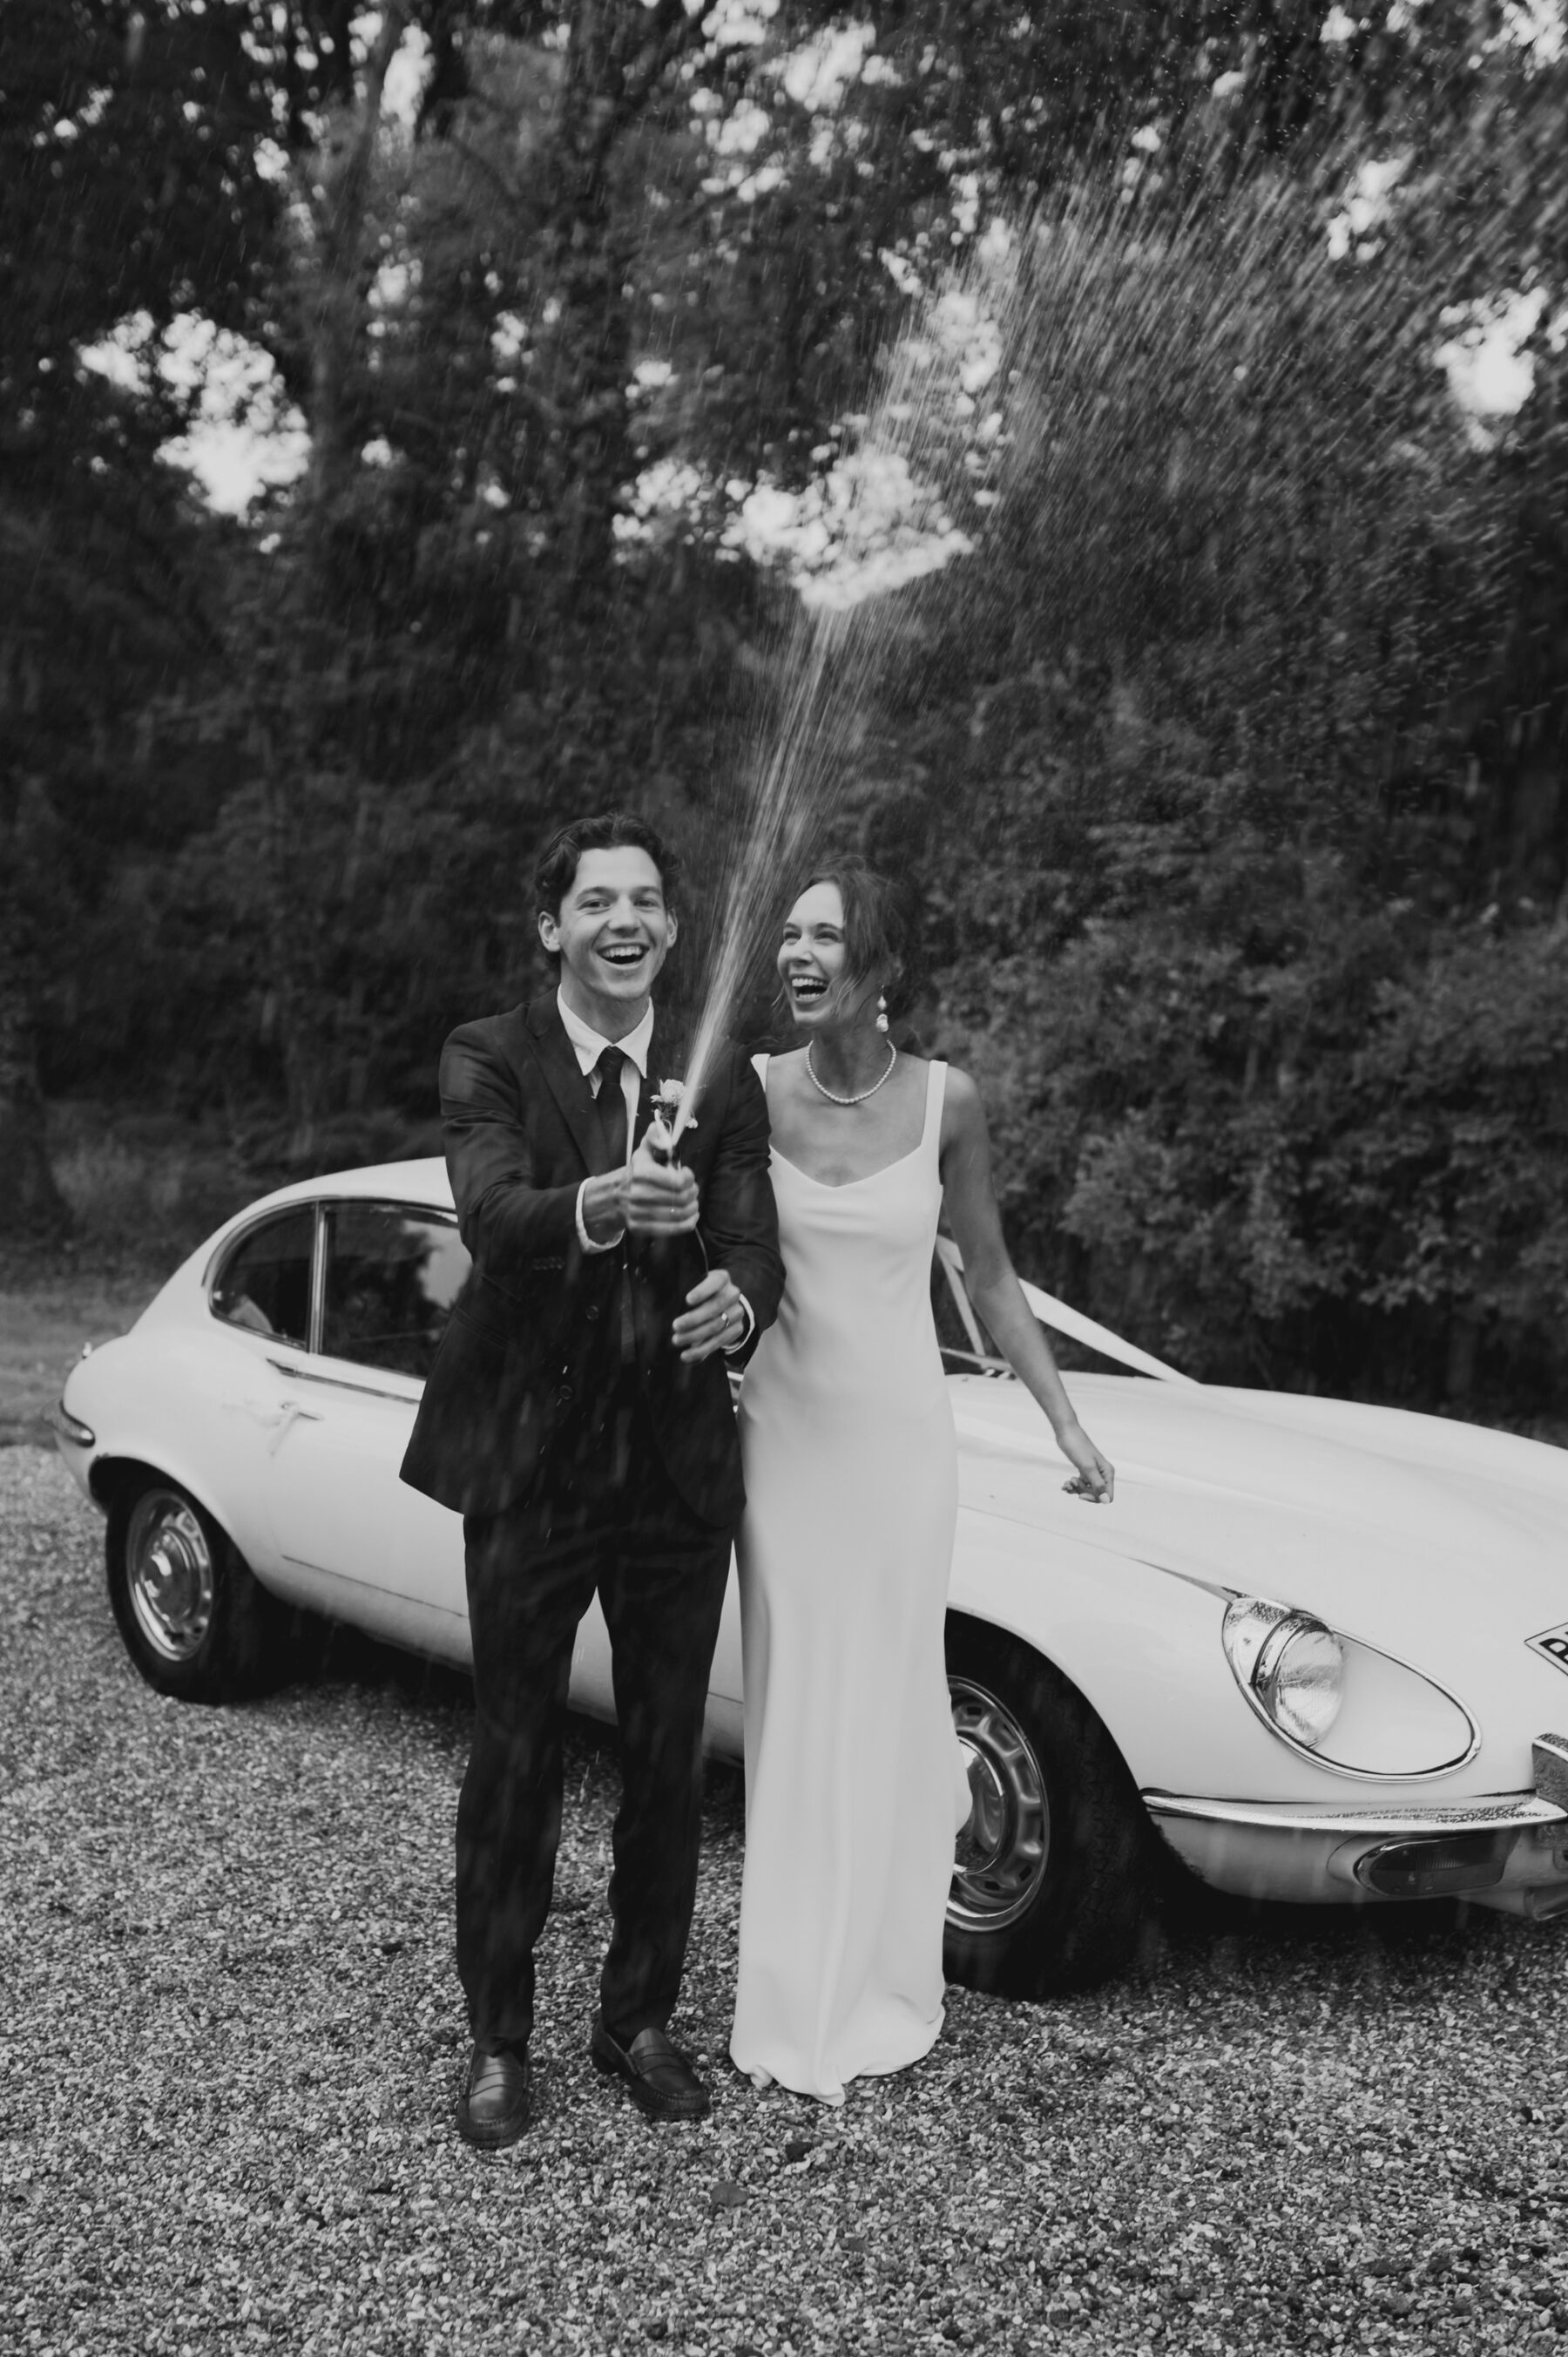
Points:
(578, 1417)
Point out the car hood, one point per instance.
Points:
(1413, 1533)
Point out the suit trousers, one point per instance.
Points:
(609, 1520)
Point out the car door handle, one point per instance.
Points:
(275, 1417)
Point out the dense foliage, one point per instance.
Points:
(1230, 764)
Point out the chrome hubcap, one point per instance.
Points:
(999, 1858)
(170, 1575)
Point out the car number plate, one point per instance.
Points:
(1553, 1644)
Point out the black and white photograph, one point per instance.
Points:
(783, 1178)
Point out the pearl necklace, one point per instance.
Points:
(832, 1095)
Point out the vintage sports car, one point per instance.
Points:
(1319, 1650)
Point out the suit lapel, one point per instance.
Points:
(566, 1082)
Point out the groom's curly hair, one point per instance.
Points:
(556, 867)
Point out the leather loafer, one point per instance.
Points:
(492, 2109)
(659, 2080)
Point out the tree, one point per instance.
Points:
(127, 185)
(1230, 704)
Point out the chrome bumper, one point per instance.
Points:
(1508, 1852)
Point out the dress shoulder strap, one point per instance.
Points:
(935, 1092)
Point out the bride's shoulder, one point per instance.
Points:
(962, 1108)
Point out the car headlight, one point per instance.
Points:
(1305, 1681)
(1289, 1665)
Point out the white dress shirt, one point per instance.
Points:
(588, 1046)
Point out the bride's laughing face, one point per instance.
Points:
(813, 961)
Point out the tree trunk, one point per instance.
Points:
(338, 176)
(1464, 1342)
(593, 341)
(619, 54)
(31, 1205)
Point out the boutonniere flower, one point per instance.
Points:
(668, 1097)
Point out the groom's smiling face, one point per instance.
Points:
(612, 935)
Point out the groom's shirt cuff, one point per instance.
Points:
(731, 1348)
(585, 1240)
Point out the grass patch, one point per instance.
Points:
(145, 1188)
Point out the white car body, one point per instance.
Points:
(1421, 1541)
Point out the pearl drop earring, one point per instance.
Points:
(881, 1011)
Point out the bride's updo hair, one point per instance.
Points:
(875, 918)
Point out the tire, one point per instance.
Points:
(1054, 1871)
(196, 1620)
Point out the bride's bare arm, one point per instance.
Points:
(993, 1284)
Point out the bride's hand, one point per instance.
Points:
(1096, 1475)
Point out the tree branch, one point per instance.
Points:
(674, 33)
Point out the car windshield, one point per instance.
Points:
(263, 1282)
(392, 1274)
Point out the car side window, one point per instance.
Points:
(392, 1274)
(263, 1282)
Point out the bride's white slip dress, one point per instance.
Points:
(853, 1782)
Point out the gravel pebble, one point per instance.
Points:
(232, 2034)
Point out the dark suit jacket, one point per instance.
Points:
(533, 1352)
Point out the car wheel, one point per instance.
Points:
(1052, 1873)
(195, 1619)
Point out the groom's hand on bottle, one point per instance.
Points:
(650, 1198)
(661, 1196)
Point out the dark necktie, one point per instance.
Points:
(611, 1104)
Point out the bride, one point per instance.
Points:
(855, 1786)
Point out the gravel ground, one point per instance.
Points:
(231, 2039)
